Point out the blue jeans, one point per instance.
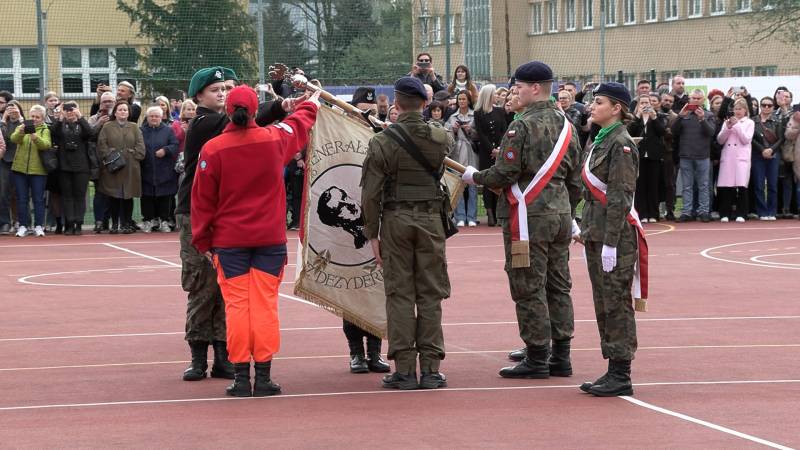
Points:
(5, 193)
(99, 204)
(765, 171)
(28, 186)
(471, 213)
(695, 171)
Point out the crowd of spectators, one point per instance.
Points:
(733, 157)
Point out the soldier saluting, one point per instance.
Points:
(616, 251)
(539, 172)
(402, 202)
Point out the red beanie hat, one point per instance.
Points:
(243, 96)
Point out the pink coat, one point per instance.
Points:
(734, 164)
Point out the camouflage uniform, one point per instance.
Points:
(615, 162)
(402, 203)
(542, 291)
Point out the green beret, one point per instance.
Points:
(205, 77)
(230, 74)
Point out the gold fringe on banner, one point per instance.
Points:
(640, 305)
(520, 254)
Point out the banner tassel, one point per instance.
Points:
(640, 305)
(520, 254)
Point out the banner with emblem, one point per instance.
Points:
(336, 268)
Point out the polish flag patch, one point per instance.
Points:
(510, 154)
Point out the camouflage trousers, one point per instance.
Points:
(542, 291)
(415, 281)
(205, 310)
(613, 303)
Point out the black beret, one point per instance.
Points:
(533, 72)
(613, 90)
(411, 87)
(363, 95)
(441, 96)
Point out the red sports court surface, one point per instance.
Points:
(92, 355)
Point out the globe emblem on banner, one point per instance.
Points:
(336, 225)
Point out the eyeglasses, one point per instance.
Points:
(767, 105)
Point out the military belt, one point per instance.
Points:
(433, 206)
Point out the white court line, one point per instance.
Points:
(707, 253)
(758, 259)
(441, 391)
(17, 261)
(705, 424)
(345, 356)
(455, 324)
(79, 244)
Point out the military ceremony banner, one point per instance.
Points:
(336, 268)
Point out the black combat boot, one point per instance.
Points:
(197, 369)
(375, 362)
(618, 381)
(533, 366)
(241, 381)
(432, 380)
(559, 362)
(78, 228)
(264, 386)
(518, 355)
(399, 380)
(222, 367)
(588, 384)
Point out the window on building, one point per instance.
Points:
(743, 5)
(455, 28)
(766, 71)
(19, 71)
(536, 18)
(670, 9)
(695, 8)
(424, 39)
(82, 69)
(650, 10)
(693, 74)
(669, 74)
(436, 32)
(569, 15)
(715, 73)
(588, 13)
(630, 11)
(717, 7)
(741, 71)
(552, 16)
(610, 7)
(629, 80)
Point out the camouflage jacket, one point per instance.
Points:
(390, 175)
(616, 163)
(524, 149)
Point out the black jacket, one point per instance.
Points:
(136, 111)
(652, 144)
(207, 125)
(490, 129)
(72, 140)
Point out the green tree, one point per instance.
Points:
(186, 35)
(283, 43)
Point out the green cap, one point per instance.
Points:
(205, 77)
(230, 74)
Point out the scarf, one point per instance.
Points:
(605, 132)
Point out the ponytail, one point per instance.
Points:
(240, 117)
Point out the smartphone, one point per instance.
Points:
(423, 65)
(29, 127)
(796, 108)
(68, 108)
(691, 107)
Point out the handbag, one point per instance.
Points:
(49, 160)
(405, 142)
(115, 161)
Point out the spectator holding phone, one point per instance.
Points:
(736, 136)
(423, 69)
(694, 130)
(9, 121)
(462, 124)
(650, 128)
(766, 158)
(28, 172)
(71, 135)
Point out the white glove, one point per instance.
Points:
(467, 175)
(609, 257)
(576, 230)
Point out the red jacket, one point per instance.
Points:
(238, 194)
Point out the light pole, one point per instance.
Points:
(41, 38)
(260, 32)
(602, 41)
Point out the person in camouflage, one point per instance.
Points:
(402, 203)
(541, 287)
(610, 240)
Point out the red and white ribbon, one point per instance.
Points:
(518, 200)
(598, 190)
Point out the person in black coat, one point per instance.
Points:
(159, 179)
(71, 136)
(651, 129)
(490, 125)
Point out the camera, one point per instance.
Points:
(68, 107)
(424, 65)
(30, 128)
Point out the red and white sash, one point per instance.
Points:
(598, 190)
(518, 200)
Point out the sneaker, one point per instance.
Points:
(22, 231)
(38, 231)
(765, 218)
(771, 218)
(146, 226)
(5, 229)
(471, 223)
(670, 216)
(724, 220)
(460, 223)
(685, 218)
(705, 218)
(653, 220)
(164, 227)
(714, 215)
(740, 219)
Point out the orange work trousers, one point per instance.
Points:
(249, 279)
